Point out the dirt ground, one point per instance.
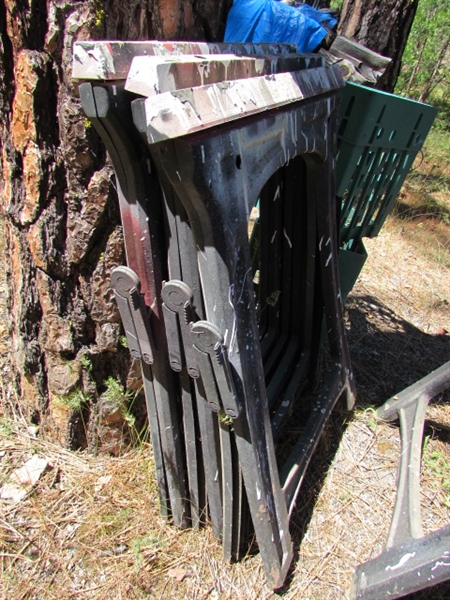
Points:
(91, 527)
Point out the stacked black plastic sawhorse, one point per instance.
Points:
(226, 322)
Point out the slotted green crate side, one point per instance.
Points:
(351, 263)
(379, 137)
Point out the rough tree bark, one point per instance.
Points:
(380, 26)
(61, 221)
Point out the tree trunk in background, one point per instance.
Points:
(61, 219)
(435, 77)
(380, 26)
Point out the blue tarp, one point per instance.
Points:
(272, 21)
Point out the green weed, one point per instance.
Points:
(86, 363)
(438, 465)
(76, 400)
(116, 394)
(6, 430)
(225, 419)
(105, 524)
(139, 545)
(123, 341)
(122, 400)
(370, 417)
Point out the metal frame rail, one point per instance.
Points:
(411, 561)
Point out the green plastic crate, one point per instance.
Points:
(379, 137)
(351, 263)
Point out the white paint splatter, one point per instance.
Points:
(287, 237)
(404, 559)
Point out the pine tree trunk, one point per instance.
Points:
(380, 26)
(61, 219)
(434, 78)
(416, 66)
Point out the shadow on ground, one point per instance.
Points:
(388, 354)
